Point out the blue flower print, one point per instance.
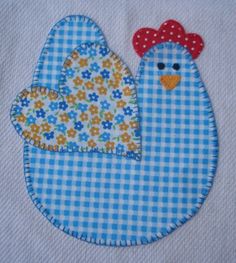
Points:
(49, 135)
(103, 51)
(17, 109)
(93, 97)
(52, 119)
(117, 94)
(53, 105)
(31, 120)
(128, 111)
(63, 105)
(40, 113)
(92, 52)
(105, 74)
(78, 125)
(105, 136)
(65, 91)
(105, 105)
(82, 50)
(128, 80)
(119, 118)
(61, 127)
(18, 127)
(70, 73)
(73, 146)
(72, 114)
(120, 148)
(95, 67)
(107, 125)
(84, 136)
(86, 74)
(82, 107)
(24, 102)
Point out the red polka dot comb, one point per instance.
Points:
(169, 31)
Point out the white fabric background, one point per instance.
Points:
(25, 235)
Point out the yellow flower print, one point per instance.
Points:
(34, 128)
(120, 104)
(34, 94)
(38, 104)
(24, 93)
(117, 75)
(93, 109)
(118, 65)
(96, 120)
(71, 99)
(114, 84)
(71, 133)
(125, 137)
(84, 116)
(89, 85)
(123, 126)
(46, 127)
(127, 91)
(94, 131)
(52, 95)
(83, 62)
(78, 81)
(68, 63)
(36, 137)
(133, 124)
(81, 95)
(99, 80)
(110, 145)
(106, 63)
(102, 90)
(74, 55)
(91, 143)
(108, 116)
(64, 117)
(21, 118)
(53, 148)
(61, 139)
(26, 134)
(132, 146)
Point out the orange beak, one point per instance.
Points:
(169, 82)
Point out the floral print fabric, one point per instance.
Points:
(96, 109)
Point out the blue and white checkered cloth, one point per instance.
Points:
(107, 199)
(65, 35)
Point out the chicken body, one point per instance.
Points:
(107, 198)
(125, 201)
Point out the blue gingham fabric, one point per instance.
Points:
(65, 35)
(107, 199)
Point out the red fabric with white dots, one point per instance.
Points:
(170, 30)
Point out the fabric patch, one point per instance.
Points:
(96, 110)
(107, 199)
(171, 31)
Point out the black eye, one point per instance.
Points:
(160, 65)
(176, 66)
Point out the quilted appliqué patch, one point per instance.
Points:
(82, 104)
(96, 110)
